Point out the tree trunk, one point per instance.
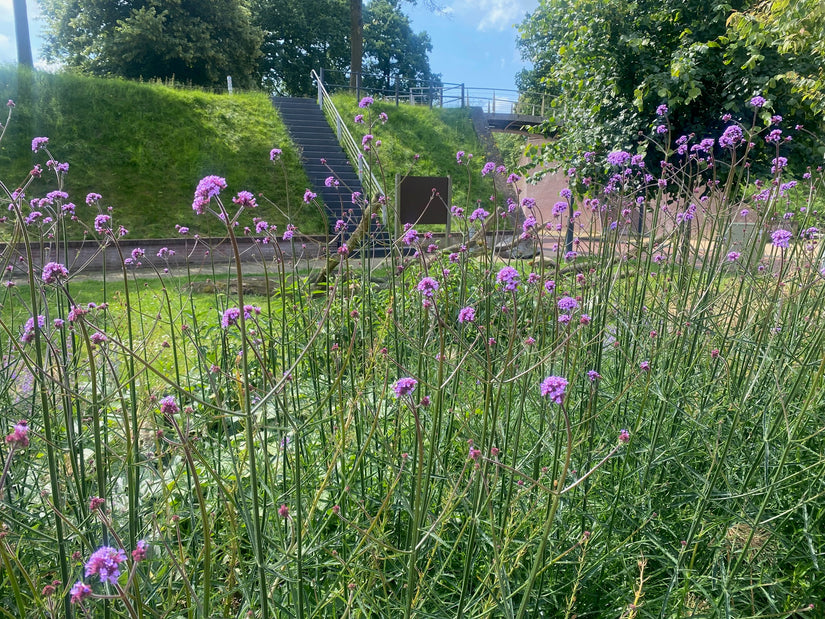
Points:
(356, 21)
(21, 33)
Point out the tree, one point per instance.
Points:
(612, 62)
(189, 40)
(300, 37)
(394, 54)
(356, 21)
(796, 29)
(21, 34)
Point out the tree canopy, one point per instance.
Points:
(611, 63)
(188, 40)
(300, 37)
(393, 53)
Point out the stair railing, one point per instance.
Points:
(368, 181)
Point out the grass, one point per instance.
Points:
(144, 147)
(633, 431)
(433, 134)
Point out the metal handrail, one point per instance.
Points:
(368, 181)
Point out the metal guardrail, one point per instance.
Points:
(368, 181)
(445, 94)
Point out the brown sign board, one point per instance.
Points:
(423, 199)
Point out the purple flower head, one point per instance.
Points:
(644, 366)
(230, 317)
(54, 271)
(309, 196)
(661, 110)
(102, 223)
(93, 198)
(79, 592)
(528, 224)
(404, 386)
(139, 553)
(275, 154)
(618, 158)
(778, 164)
(567, 304)
(28, 328)
(757, 102)
(383, 118)
(780, 238)
(466, 314)
(488, 167)
(479, 213)
(459, 156)
(19, 436)
(366, 102)
(38, 143)
(410, 236)
(428, 287)
(168, 405)
(593, 376)
(245, 199)
(528, 203)
(359, 119)
(209, 187)
(554, 388)
(508, 277)
(105, 563)
(731, 137)
(733, 256)
(624, 436)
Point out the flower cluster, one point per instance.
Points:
(554, 388)
(208, 188)
(404, 386)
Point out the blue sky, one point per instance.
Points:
(474, 41)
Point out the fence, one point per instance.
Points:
(436, 93)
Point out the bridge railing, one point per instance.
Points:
(436, 93)
(368, 181)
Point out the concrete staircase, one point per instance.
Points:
(322, 157)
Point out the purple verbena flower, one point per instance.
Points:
(168, 405)
(38, 143)
(209, 187)
(404, 386)
(79, 592)
(780, 238)
(554, 388)
(428, 287)
(54, 271)
(366, 102)
(19, 436)
(105, 563)
(466, 314)
(508, 277)
(230, 317)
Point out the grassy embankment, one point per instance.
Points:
(144, 147)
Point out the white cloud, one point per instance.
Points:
(495, 14)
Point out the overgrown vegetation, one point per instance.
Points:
(631, 427)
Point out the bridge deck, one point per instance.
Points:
(514, 123)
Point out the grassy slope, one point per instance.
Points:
(434, 134)
(144, 147)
